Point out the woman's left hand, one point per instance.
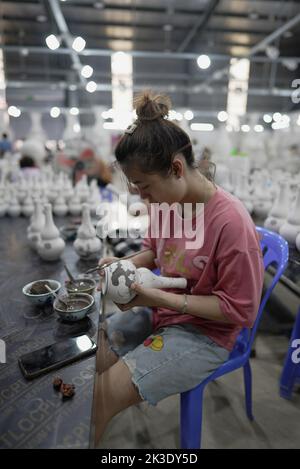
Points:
(149, 297)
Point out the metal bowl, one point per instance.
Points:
(79, 312)
(42, 298)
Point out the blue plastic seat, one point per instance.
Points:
(291, 369)
(275, 251)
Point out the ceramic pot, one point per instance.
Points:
(28, 207)
(75, 205)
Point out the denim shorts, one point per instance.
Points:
(170, 360)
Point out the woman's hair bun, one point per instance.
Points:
(150, 107)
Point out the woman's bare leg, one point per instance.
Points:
(114, 393)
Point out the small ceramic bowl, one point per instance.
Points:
(42, 298)
(80, 305)
(69, 232)
(83, 285)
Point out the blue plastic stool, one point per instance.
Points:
(291, 371)
(275, 251)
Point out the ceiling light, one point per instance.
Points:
(253, 15)
(172, 114)
(202, 127)
(14, 111)
(74, 111)
(167, 27)
(78, 44)
(54, 112)
(258, 128)
(179, 116)
(267, 118)
(91, 87)
(245, 128)
(189, 115)
(222, 116)
(203, 61)
(52, 42)
(87, 71)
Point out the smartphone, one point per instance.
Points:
(54, 356)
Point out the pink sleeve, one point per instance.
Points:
(240, 275)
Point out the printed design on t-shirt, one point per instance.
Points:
(174, 258)
(200, 262)
(156, 343)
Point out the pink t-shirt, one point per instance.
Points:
(229, 265)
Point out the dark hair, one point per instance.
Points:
(27, 162)
(153, 140)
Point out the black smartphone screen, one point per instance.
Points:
(54, 356)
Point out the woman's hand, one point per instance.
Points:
(106, 260)
(150, 297)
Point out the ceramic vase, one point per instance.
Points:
(51, 245)
(87, 245)
(75, 205)
(60, 208)
(14, 209)
(28, 207)
(121, 274)
(36, 226)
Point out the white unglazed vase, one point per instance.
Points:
(280, 209)
(60, 208)
(291, 228)
(51, 245)
(75, 205)
(87, 245)
(36, 226)
(14, 209)
(148, 279)
(28, 207)
(119, 276)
